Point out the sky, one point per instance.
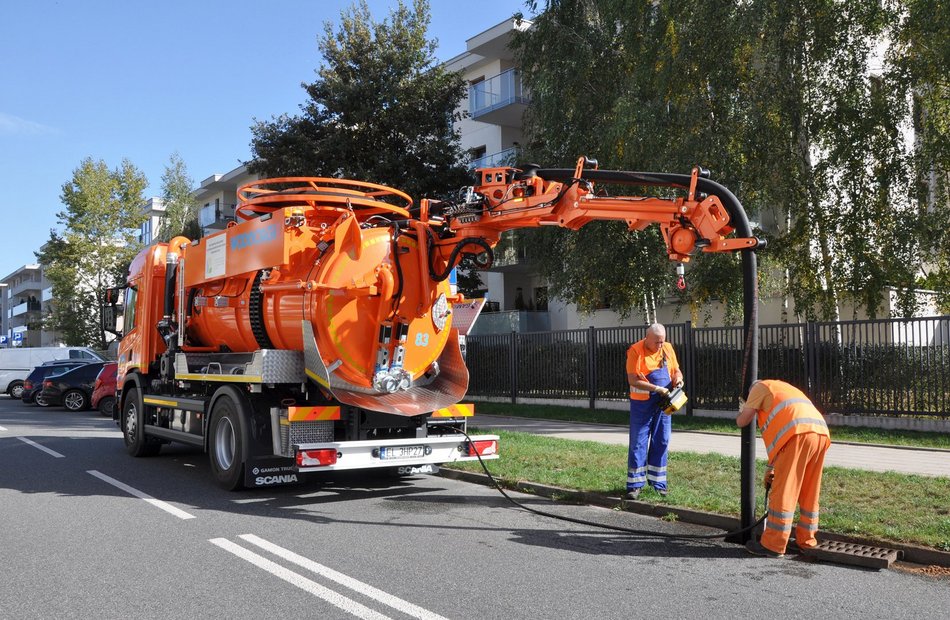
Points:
(143, 79)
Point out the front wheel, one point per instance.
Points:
(75, 400)
(133, 427)
(226, 445)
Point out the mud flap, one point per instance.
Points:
(446, 389)
(266, 472)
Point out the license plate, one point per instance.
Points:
(401, 452)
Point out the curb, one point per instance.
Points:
(909, 553)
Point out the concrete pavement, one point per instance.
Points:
(855, 456)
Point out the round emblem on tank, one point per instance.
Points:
(440, 312)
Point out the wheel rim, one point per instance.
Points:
(224, 443)
(39, 400)
(17, 391)
(74, 401)
(131, 422)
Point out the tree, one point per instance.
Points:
(638, 86)
(921, 60)
(98, 241)
(774, 97)
(181, 213)
(381, 110)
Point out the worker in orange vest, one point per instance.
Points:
(796, 438)
(652, 371)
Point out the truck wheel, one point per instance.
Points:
(15, 390)
(133, 427)
(226, 445)
(75, 400)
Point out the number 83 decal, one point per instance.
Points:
(422, 339)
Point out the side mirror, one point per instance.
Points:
(110, 310)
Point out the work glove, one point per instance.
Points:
(769, 476)
(662, 391)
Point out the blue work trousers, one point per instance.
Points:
(649, 443)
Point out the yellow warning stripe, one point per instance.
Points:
(459, 410)
(309, 414)
(317, 378)
(220, 378)
(159, 401)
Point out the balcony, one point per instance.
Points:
(499, 100)
(512, 255)
(215, 216)
(506, 157)
(26, 286)
(513, 321)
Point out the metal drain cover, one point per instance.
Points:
(850, 553)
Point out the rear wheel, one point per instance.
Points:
(106, 405)
(15, 390)
(39, 400)
(133, 427)
(75, 400)
(226, 445)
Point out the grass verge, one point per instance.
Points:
(693, 423)
(877, 506)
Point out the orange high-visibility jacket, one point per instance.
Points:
(792, 413)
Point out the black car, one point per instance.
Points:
(73, 388)
(33, 384)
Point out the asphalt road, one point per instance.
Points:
(86, 531)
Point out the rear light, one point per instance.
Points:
(482, 447)
(316, 458)
(48, 383)
(27, 385)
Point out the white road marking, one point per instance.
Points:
(43, 448)
(354, 584)
(2, 428)
(346, 604)
(178, 512)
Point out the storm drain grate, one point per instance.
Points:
(850, 553)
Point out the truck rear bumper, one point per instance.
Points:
(400, 452)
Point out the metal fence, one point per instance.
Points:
(888, 366)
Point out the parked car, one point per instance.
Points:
(103, 392)
(16, 363)
(73, 388)
(33, 384)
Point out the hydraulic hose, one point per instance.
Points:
(616, 528)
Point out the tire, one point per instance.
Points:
(106, 405)
(39, 400)
(133, 427)
(226, 444)
(15, 390)
(75, 400)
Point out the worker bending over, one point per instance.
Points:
(652, 370)
(796, 439)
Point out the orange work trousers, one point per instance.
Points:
(797, 481)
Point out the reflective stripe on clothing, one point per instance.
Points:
(782, 432)
(807, 514)
(811, 527)
(791, 414)
(779, 527)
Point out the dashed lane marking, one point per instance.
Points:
(178, 512)
(334, 598)
(52, 453)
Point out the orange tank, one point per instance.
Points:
(337, 264)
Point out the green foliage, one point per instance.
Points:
(380, 111)
(98, 241)
(776, 98)
(181, 211)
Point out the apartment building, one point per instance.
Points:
(26, 296)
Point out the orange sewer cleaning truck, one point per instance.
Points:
(319, 332)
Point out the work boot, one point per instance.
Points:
(633, 494)
(663, 492)
(755, 548)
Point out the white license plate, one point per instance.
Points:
(401, 452)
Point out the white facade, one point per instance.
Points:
(26, 296)
(217, 198)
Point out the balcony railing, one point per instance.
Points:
(501, 158)
(496, 92)
(211, 215)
